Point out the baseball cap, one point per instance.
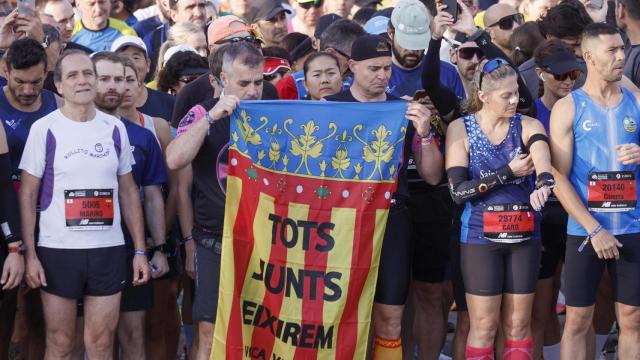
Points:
(370, 46)
(174, 50)
(265, 10)
(410, 20)
(273, 64)
(220, 28)
(323, 23)
(559, 63)
(376, 25)
(126, 41)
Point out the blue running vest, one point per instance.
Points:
(607, 187)
(486, 159)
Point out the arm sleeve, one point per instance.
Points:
(491, 51)
(463, 189)
(443, 99)
(9, 216)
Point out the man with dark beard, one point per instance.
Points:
(410, 34)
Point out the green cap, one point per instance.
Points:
(410, 19)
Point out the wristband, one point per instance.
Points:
(140, 252)
(187, 238)
(589, 237)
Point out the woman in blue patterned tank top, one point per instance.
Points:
(490, 156)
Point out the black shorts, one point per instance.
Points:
(494, 269)
(431, 231)
(553, 231)
(135, 298)
(583, 270)
(75, 273)
(456, 270)
(395, 259)
(207, 269)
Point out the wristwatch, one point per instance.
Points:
(20, 249)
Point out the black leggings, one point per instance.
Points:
(497, 268)
(395, 259)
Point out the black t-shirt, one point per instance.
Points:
(402, 192)
(158, 104)
(632, 64)
(200, 90)
(209, 184)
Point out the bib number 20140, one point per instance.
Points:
(612, 191)
(88, 209)
(508, 223)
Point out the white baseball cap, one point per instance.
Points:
(127, 40)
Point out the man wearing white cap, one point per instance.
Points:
(409, 31)
(150, 102)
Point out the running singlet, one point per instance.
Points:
(78, 164)
(101, 40)
(17, 124)
(503, 214)
(607, 187)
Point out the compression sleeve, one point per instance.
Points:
(443, 99)
(463, 189)
(9, 214)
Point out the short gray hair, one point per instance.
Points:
(244, 52)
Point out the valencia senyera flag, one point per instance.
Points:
(308, 191)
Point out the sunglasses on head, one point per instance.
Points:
(249, 39)
(489, 67)
(469, 52)
(573, 75)
(506, 23)
(308, 5)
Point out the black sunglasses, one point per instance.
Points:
(469, 52)
(506, 23)
(249, 39)
(308, 5)
(573, 75)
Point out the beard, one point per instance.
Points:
(408, 61)
(109, 101)
(25, 100)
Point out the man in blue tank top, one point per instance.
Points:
(23, 100)
(594, 142)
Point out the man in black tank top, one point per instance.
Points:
(371, 65)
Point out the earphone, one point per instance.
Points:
(541, 77)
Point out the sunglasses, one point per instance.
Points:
(489, 67)
(470, 52)
(342, 53)
(250, 39)
(282, 73)
(573, 75)
(506, 23)
(311, 4)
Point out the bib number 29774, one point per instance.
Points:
(508, 223)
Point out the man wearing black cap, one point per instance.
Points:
(270, 18)
(371, 66)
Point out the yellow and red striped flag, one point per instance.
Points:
(308, 191)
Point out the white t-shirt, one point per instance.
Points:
(78, 164)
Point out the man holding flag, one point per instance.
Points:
(202, 143)
(371, 66)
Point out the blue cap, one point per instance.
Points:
(376, 25)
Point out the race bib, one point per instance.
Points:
(88, 209)
(508, 223)
(612, 191)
